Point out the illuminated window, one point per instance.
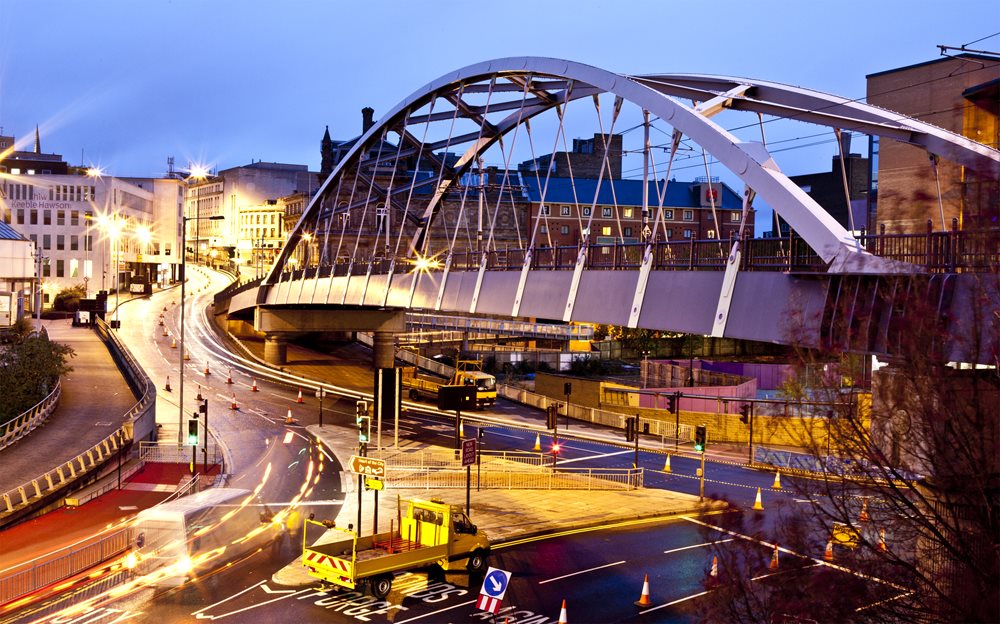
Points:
(735, 216)
(687, 233)
(606, 230)
(627, 213)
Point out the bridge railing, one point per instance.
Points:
(14, 430)
(520, 478)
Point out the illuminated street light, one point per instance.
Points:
(425, 264)
(198, 172)
(94, 172)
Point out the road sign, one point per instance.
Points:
(494, 588)
(468, 452)
(367, 466)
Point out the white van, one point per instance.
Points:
(193, 534)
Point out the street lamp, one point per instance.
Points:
(180, 411)
(114, 233)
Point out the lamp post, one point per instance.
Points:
(180, 410)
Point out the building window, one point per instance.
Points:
(89, 242)
(606, 230)
(344, 220)
(47, 217)
(735, 216)
(710, 234)
(668, 215)
(544, 211)
(544, 229)
(74, 217)
(46, 269)
(628, 231)
(564, 211)
(670, 233)
(60, 242)
(586, 211)
(606, 213)
(74, 242)
(627, 213)
(381, 216)
(46, 241)
(689, 215)
(34, 216)
(564, 229)
(60, 268)
(20, 216)
(687, 233)
(60, 217)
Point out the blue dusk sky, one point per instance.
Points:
(126, 83)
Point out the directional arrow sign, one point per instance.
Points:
(495, 583)
(367, 466)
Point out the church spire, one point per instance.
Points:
(38, 141)
(326, 156)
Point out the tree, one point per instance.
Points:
(914, 477)
(68, 299)
(28, 371)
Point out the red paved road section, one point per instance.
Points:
(60, 528)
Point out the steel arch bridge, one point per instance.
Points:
(385, 230)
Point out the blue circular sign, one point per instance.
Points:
(495, 583)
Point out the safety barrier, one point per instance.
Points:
(519, 479)
(14, 430)
(170, 453)
(445, 458)
(137, 419)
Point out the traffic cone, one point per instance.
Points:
(643, 600)
(864, 510)
(777, 481)
(774, 558)
(199, 398)
(563, 619)
(461, 429)
(164, 309)
(758, 505)
(714, 572)
(161, 321)
(207, 372)
(288, 419)
(234, 406)
(828, 553)
(167, 387)
(666, 466)
(299, 400)
(187, 356)
(173, 343)
(253, 387)
(165, 332)
(538, 442)
(229, 380)
(881, 540)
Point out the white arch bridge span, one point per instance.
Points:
(408, 221)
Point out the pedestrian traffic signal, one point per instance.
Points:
(672, 403)
(364, 422)
(745, 413)
(568, 388)
(700, 434)
(631, 427)
(192, 438)
(203, 407)
(551, 414)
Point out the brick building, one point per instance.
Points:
(960, 93)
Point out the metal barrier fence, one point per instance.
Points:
(651, 426)
(520, 479)
(14, 430)
(448, 458)
(62, 477)
(170, 453)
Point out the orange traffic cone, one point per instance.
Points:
(234, 406)
(199, 397)
(538, 442)
(881, 540)
(714, 572)
(207, 372)
(777, 481)
(229, 380)
(165, 333)
(187, 356)
(643, 600)
(253, 387)
(666, 466)
(164, 309)
(173, 343)
(757, 504)
(288, 419)
(161, 321)
(828, 553)
(864, 510)
(299, 400)
(774, 558)
(167, 387)
(562, 614)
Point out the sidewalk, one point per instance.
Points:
(95, 398)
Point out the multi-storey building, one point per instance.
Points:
(17, 274)
(960, 93)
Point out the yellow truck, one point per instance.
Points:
(467, 373)
(430, 533)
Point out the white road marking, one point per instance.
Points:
(679, 600)
(504, 435)
(673, 550)
(608, 565)
(461, 604)
(289, 436)
(764, 576)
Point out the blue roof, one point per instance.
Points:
(626, 192)
(9, 233)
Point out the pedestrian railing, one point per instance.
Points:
(446, 458)
(518, 478)
(14, 430)
(171, 453)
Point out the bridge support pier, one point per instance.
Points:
(276, 349)
(384, 348)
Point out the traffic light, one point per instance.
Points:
(203, 407)
(745, 413)
(552, 412)
(364, 422)
(700, 434)
(672, 403)
(555, 448)
(630, 428)
(568, 388)
(192, 439)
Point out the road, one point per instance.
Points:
(599, 572)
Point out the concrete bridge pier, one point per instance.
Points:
(384, 347)
(276, 349)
